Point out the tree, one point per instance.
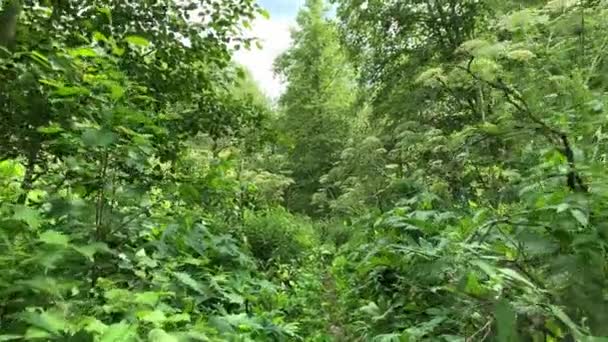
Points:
(316, 103)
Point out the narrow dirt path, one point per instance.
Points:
(335, 326)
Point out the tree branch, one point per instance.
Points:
(555, 136)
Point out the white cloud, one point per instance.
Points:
(275, 38)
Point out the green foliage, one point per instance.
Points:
(147, 187)
(277, 236)
(315, 106)
(113, 221)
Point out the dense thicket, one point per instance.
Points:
(434, 171)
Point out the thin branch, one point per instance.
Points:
(485, 328)
(557, 137)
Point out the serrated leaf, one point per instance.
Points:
(41, 284)
(371, 309)
(159, 335)
(234, 298)
(149, 298)
(48, 321)
(137, 40)
(187, 280)
(182, 317)
(116, 90)
(155, 317)
(93, 325)
(10, 169)
(28, 215)
(521, 55)
(52, 237)
(120, 332)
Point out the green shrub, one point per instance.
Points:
(335, 232)
(277, 235)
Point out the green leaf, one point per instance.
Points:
(521, 55)
(48, 321)
(116, 90)
(155, 317)
(264, 13)
(506, 322)
(10, 337)
(83, 52)
(187, 280)
(50, 129)
(52, 83)
(89, 251)
(11, 169)
(52, 237)
(28, 215)
(41, 284)
(97, 138)
(93, 325)
(561, 315)
(107, 11)
(516, 276)
(484, 266)
(490, 128)
(149, 298)
(35, 333)
(100, 37)
(137, 40)
(159, 335)
(580, 217)
(120, 332)
(371, 309)
(71, 91)
(182, 317)
(472, 285)
(118, 51)
(234, 298)
(40, 58)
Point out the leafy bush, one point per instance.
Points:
(335, 232)
(278, 236)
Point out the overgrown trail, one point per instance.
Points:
(331, 306)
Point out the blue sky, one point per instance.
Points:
(275, 38)
(282, 8)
